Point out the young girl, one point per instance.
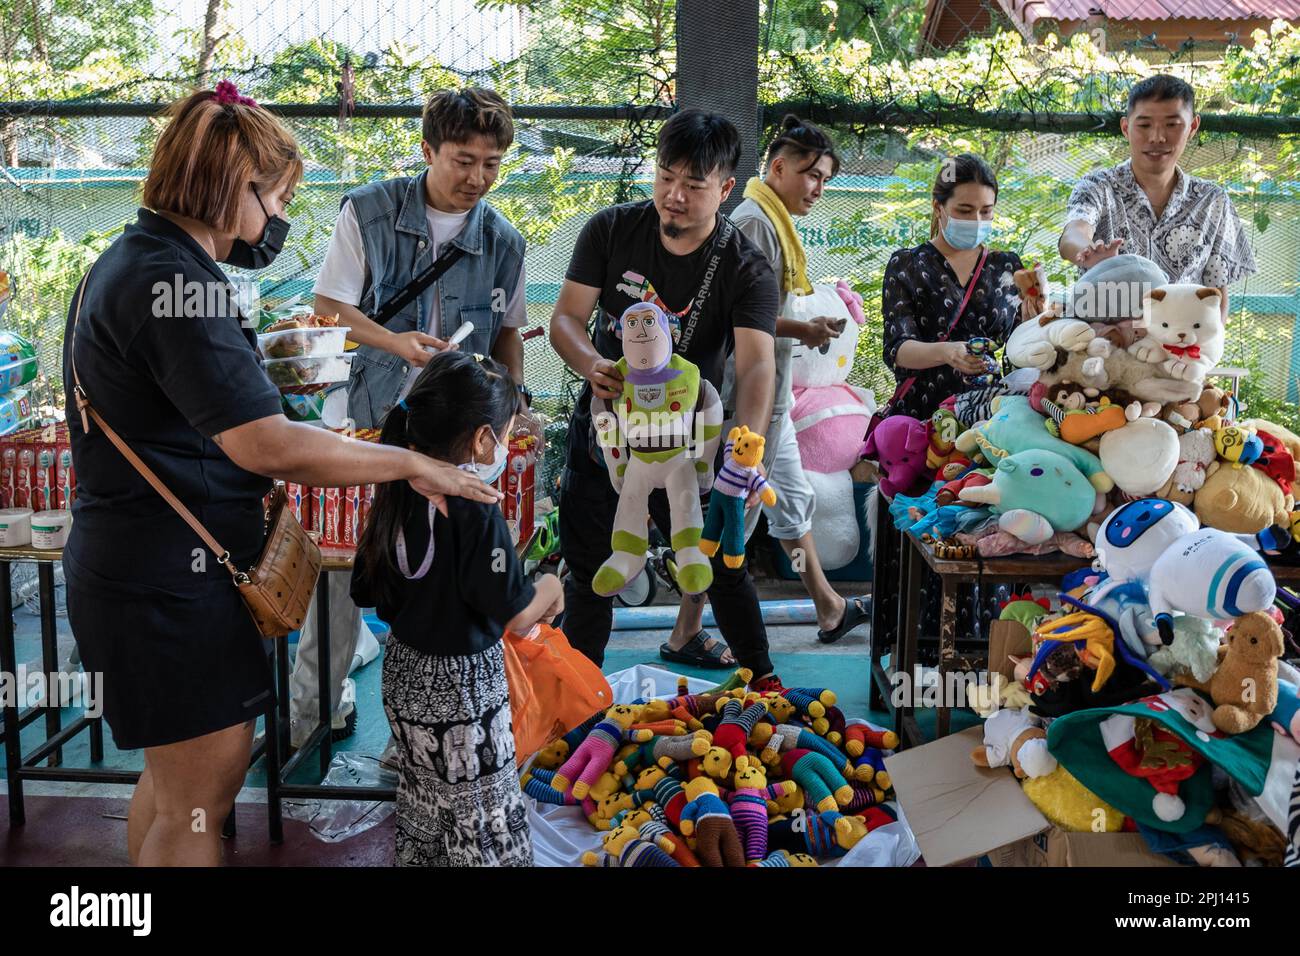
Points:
(449, 584)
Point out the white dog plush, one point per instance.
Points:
(1184, 331)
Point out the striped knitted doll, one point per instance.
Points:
(831, 725)
(596, 752)
(651, 823)
(670, 796)
(625, 845)
(820, 779)
(706, 817)
(738, 722)
(864, 795)
(658, 749)
(739, 475)
(858, 737)
(811, 701)
(824, 834)
(869, 767)
(784, 858)
(749, 806)
(785, 737)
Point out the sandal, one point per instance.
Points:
(856, 610)
(697, 653)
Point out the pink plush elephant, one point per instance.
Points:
(899, 445)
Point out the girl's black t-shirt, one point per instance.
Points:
(168, 361)
(473, 587)
(920, 295)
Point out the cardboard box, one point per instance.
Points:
(960, 812)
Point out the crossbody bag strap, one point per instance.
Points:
(86, 409)
(450, 256)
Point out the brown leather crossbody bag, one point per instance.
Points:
(277, 589)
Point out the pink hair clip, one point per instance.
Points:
(227, 92)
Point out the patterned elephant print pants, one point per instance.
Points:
(458, 796)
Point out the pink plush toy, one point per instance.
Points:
(899, 444)
(594, 755)
(829, 417)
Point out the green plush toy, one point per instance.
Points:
(1016, 427)
(1035, 493)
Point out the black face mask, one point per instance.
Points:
(259, 256)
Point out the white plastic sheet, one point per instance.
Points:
(562, 834)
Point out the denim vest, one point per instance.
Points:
(397, 246)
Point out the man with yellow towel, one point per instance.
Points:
(799, 163)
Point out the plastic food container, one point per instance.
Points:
(303, 343)
(50, 529)
(303, 376)
(15, 527)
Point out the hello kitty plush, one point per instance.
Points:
(829, 418)
(1184, 331)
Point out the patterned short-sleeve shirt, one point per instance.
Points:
(1198, 238)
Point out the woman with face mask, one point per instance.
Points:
(955, 275)
(184, 671)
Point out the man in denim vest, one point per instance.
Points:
(388, 233)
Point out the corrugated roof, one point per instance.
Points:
(1027, 11)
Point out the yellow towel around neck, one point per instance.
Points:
(795, 278)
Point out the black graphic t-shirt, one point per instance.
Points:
(920, 296)
(619, 252)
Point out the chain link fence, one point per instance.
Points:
(898, 82)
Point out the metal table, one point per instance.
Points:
(334, 561)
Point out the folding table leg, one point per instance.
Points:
(9, 665)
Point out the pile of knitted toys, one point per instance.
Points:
(1157, 689)
(721, 778)
(1109, 403)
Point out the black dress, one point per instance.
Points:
(149, 605)
(920, 295)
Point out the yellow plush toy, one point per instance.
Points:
(786, 803)
(1070, 805)
(625, 847)
(725, 523)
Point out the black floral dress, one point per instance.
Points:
(920, 296)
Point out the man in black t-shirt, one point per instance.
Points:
(678, 251)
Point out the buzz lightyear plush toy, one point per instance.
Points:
(662, 432)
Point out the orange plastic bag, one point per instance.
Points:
(553, 688)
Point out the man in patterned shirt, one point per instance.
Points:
(1147, 205)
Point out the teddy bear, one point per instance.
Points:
(776, 740)
(1184, 331)
(594, 755)
(624, 848)
(1242, 501)
(738, 476)
(1197, 459)
(1015, 738)
(652, 825)
(662, 432)
(749, 805)
(1033, 288)
(830, 416)
(784, 858)
(1244, 685)
(900, 445)
(824, 784)
(707, 818)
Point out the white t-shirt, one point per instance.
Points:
(343, 273)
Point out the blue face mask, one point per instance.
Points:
(967, 233)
